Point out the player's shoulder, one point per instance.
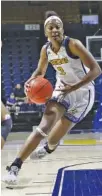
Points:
(44, 49)
(43, 52)
(75, 46)
(75, 42)
(71, 41)
(45, 46)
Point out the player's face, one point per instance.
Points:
(54, 30)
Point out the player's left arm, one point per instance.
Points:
(78, 49)
(4, 111)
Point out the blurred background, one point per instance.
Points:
(22, 36)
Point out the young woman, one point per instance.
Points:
(73, 96)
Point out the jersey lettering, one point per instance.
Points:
(59, 61)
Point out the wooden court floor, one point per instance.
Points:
(38, 177)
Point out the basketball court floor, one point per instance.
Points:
(72, 170)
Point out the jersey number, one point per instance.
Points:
(61, 70)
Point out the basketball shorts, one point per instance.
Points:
(77, 103)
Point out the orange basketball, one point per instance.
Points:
(39, 90)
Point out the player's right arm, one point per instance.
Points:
(41, 68)
(42, 65)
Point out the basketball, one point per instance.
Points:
(39, 90)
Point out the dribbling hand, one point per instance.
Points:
(26, 89)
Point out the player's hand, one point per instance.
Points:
(28, 81)
(27, 100)
(27, 86)
(66, 88)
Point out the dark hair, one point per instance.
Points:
(50, 13)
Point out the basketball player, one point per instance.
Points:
(73, 96)
(6, 124)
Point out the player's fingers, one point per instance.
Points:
(63, 83)
(29, 101)
(26, 85)
(60, 89)
(26, 89)
(28, 81)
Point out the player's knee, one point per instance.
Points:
(6, 127)
(54, 110)
(52, 115)
(50, 112)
